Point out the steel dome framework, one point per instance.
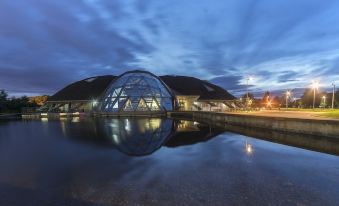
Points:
(137, 91)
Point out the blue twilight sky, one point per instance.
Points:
(284, 44)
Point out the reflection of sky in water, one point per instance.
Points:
(39, 165)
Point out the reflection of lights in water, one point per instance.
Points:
(184, 124)
(44, 119)
(63, 126)
(76, 119)
(63, 118)
(116, 139)
(248, 148)
(127, 126)
(114, 123)
(155, 123)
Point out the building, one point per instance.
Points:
(140, 91)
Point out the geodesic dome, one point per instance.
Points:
(137, 91)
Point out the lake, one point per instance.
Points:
(153, 161)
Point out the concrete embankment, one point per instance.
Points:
(317, 127)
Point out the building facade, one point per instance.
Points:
(140, 91)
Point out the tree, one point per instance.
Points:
(307, 98)
(336, 98)
(3, 96)
(3, 100)
(248, 99)
(265, 101)
(14, 104)
(39, 100)
(276, 102)
(250, 96)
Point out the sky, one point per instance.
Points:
(282, 44)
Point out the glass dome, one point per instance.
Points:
(137, 91)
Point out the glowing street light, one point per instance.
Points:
(248, 78)
(333, 95)
(94, 103)
(288, 94)
(315, 86)
(269, 104)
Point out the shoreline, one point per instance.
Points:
(324, 127)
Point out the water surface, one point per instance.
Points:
(156, 162)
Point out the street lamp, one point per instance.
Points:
(324, 100)
(248, 78)
(315, 85)
(288, 93)
(333, 95)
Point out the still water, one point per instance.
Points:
(156, 162)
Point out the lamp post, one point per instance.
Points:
(315, 85)
(333, 95)
(324, 100)
(247, 80)
(288, 93)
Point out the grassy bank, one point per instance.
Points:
(332, 113)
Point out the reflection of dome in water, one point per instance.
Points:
(138, 136)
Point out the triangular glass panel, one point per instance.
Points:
(155, 105)
(118, 90)
(116, 105)
(113, 99)
(135, 105)
(123, 93)
(122, 101)
(142, 105)
(128, 106)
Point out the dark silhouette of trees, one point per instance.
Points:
(9, 105)
(276, 102)
(265, 101)
(250, 96)
(307, 98)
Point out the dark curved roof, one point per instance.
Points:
(183, 85)
(150, 73)
(94, 87)
(86, 89)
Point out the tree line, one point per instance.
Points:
(322, 100)
(16, 104)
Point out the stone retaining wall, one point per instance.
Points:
(326, 128)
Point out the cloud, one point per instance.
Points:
(47, 44)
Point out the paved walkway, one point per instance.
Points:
(289, 114)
